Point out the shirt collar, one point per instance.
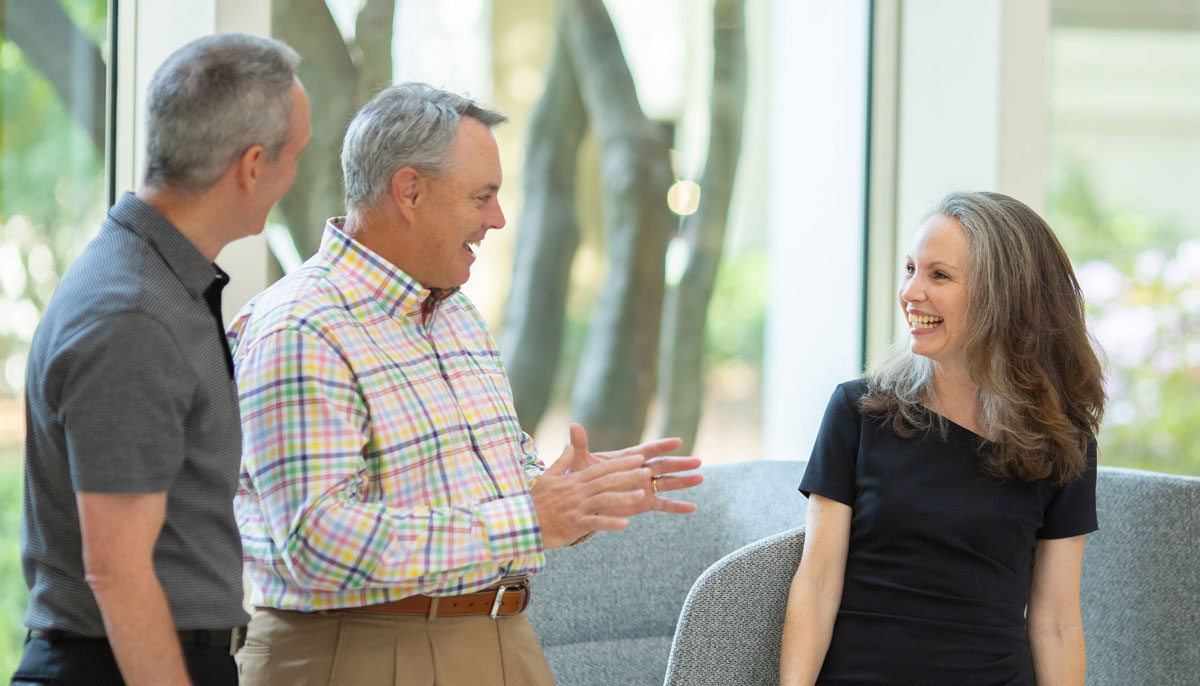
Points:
(187, 263)
(386, 283)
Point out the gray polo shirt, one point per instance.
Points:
(129, 390)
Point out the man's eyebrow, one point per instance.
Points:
(490, 188)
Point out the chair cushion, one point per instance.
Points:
(633, 661)
(1140, 589)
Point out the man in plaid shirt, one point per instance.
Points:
(391, 507)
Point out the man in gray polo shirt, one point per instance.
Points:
(129, 544)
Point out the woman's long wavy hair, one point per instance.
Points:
(1039, 380)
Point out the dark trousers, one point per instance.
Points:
(90, 662)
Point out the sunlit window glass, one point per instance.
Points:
(1124, 168)
(53, 61)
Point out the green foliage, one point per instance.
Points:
(738, 309)
(1089, 230)
(13, 594)
(1144, 308)
(49, 171)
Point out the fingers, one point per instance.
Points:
(617, 503)
(579, 440)
(563, 463)
(649, 449)
(673, 506)
(633, 480)
(606, 467)
(668, 465)
(676, 483)
(603, 523)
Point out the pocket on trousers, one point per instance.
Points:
(254, 646)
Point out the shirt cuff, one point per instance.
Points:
(512, 528)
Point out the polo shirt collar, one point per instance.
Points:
(187, 263)
(382, 279)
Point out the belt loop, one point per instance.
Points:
(433, 605)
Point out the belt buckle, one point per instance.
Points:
(500, 591)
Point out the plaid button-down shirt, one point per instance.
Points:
(381, 453)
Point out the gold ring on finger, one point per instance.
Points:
(654, 482)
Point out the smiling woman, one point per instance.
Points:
(1011, 359)
(954, 486)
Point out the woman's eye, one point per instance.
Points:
(908, 269)
(941, 275)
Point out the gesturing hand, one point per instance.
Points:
(653, 452)
(598, 497)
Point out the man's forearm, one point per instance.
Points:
(140, 629)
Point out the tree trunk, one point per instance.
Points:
(65, 56)
(616, 374)
(682, 369)
(332, 80)
(531, 339)
(373, 37)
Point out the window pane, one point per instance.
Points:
(1124, 169)
(501, 53)
(52, 198)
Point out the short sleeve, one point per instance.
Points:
(831, 468)
(1072, 510)
(125, 395)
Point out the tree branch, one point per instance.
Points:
(616, 376)
(373, 36)
(66, 57)
(531, 340)
(331, 79)
(682, 369)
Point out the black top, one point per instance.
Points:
(941, 554)
(129, 391)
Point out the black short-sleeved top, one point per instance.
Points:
(941, 554)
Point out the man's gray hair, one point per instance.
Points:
(210, 101)
(406, 125)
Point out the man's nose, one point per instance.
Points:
(497, 220)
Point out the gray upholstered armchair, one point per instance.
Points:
(606, 611)
(1140, 594)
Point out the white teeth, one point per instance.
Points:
(923, 321)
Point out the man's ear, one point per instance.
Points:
(407, 191)
(249, 167)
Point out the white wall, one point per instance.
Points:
(816, 180)
(148, 32)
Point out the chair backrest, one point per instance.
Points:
(606, 611)
(732, 619)
(1141, 580)
(1140, 594)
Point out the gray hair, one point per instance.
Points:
(1038, 375)
(406, 125)
(210, 101)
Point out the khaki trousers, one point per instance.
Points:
(347, 648)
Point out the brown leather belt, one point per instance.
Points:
(510, 597)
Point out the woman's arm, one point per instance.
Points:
(816, 591)
(1053, 621)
